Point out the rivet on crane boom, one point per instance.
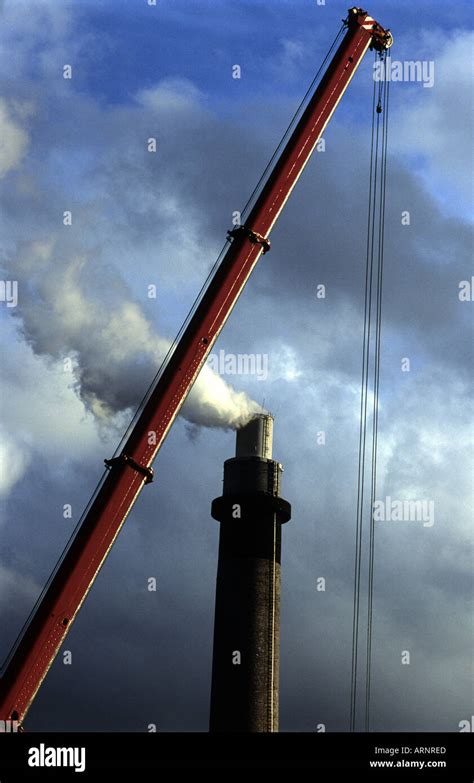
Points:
(130, 469)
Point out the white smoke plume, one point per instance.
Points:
(73, 309)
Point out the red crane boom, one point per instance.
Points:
(129, 472)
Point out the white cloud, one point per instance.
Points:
(14, 460)
(21, 590)
(171, 95)
(13, 139)
(437, 123)
(41, 415)
(285, 364)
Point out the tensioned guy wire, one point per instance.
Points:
(371, 352)
(376, 384)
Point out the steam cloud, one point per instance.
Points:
(72, 308)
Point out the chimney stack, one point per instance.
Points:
(245, 670)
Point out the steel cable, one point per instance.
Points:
(371, 350)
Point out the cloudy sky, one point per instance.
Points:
(84, 341)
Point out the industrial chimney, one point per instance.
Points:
(245, 668)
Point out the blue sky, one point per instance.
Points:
(142, 71)
(249, 33)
